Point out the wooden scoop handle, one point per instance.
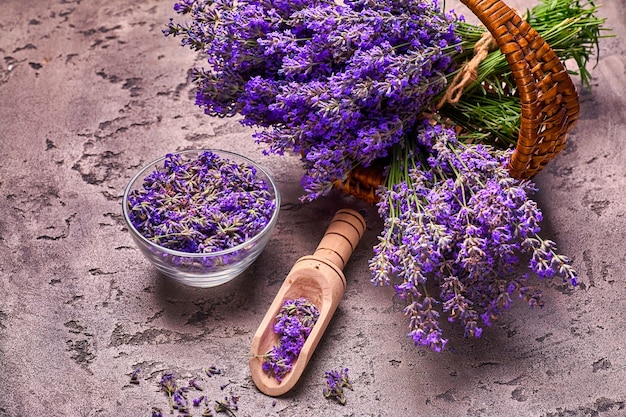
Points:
(343, 234)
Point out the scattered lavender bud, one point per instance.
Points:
(168, 384)
(156, 412)
(293, 324)
(134, 377)
(193, 383)
(181, 403)
(228, 405)
(198, 401)
(212, 370)
(336, 381)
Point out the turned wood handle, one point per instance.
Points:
(341, 237)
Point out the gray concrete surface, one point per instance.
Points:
(91, 90)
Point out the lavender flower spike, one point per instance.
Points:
(459, 223)
(336, 381)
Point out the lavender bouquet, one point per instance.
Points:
(338, 84)
(350, 83)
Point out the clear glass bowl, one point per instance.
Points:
(202, 269)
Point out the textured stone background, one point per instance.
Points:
(90, 91)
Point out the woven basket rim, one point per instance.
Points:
(549, 101)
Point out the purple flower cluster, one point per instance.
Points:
(336, 381)
(337, 82)
(202, 205)
(294, 323)
(456, 229)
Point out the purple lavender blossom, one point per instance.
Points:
(460, 221)
(168, 384)
(201, 205)
(339, 84)
(336, 381)
(293, 324)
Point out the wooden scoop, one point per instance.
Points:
(320, 279)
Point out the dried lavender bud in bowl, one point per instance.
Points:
(201, 216)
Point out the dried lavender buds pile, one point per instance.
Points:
(187, 398)
(294, 323)
(336, 381)
(190, 397)
(202, 205)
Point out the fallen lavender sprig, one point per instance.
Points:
(456, 227)
(201, 205)
(294, 323)
(336, 381)
(182, 400)
(134, 376)
(227, 405)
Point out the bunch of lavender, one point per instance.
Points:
(338, 82)
(456, 228)
(203, 205)
(294, 323)
(341, 82)
(336, 381)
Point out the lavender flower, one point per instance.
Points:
(212, 370)
(193, 383)
(336, 381)
(203, 205)
(459, 220)
(134, 376)
(337, 83)
(168, 384)
(293, 325)
(228, 405)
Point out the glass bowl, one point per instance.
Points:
(202, 269)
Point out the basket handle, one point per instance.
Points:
(550, 105)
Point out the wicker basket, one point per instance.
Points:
(549, 101)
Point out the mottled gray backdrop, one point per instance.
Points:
(91, 90)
